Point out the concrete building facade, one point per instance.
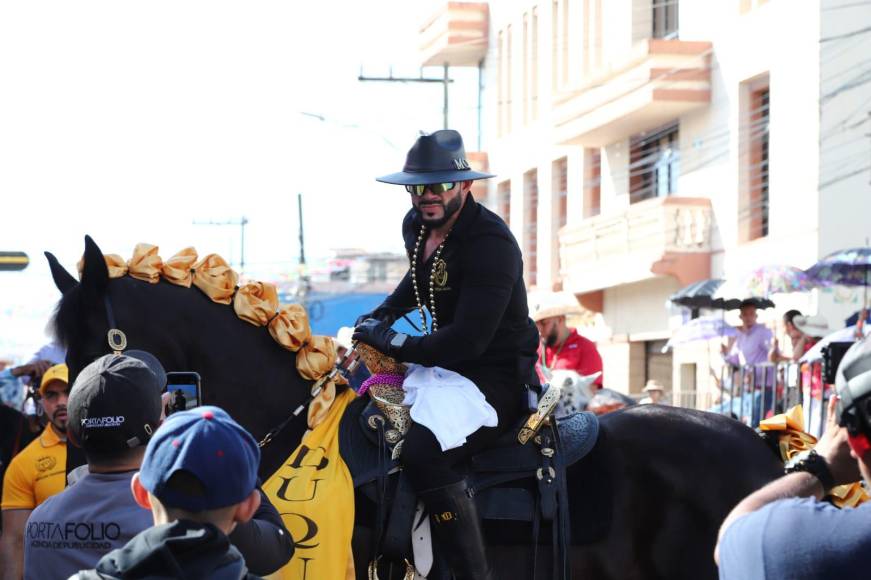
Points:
(642, 145)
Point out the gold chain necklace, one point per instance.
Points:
(432, 304)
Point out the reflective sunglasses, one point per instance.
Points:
(436, 188)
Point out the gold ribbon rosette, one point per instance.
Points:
(255, 302)
(793, 440)
(146, 264)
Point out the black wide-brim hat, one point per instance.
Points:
(436, 158)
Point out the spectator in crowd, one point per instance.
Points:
(17, 430)
(37, 473)
(752, 344)
(654, 393)
(785, 530)
(13, 381)
(803, 333)
(114, 407)
(562, 348)
(199, 479)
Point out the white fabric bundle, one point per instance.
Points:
(446, 403)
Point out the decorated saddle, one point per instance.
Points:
(510, 480)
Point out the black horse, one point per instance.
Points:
(645, 504)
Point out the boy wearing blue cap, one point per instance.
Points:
(198, 478)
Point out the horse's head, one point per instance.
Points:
(82, 317)
(80, 322)
(243, 370)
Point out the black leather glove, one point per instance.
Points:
(379, 336)
(382, 313)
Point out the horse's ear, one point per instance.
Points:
(62, 279)
(95, 273)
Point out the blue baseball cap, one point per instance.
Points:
(209, 445)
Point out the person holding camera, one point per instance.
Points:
(115, 406)
(37, 472)
(785, 530)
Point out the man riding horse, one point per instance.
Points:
(466, 270)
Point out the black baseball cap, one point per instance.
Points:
(114, 404)
(152, 363)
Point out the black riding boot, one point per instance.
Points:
(457, 528)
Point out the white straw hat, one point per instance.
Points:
(815, 325)
(653, 385)
(547, 304)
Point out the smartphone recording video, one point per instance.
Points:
(184, 390)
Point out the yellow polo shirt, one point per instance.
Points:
(37, 473)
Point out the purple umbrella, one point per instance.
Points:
(851, 267)
(704, 328)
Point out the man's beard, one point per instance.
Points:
(452, 207)
(59, 425)
(552, 339)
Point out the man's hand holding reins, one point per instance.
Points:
(379, 336)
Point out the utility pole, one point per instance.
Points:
(445, 81)
(301, 237)
(241, 222)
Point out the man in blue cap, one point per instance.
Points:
(466, 269)
(198, 478)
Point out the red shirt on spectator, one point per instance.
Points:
(577, 354)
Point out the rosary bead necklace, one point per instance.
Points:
(420, 304)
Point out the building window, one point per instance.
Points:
(530, 226)
(500, 84)
(560, 184)
(592, 40)
(508, 83)
(530, 66)
(560, 43)
(503, 201)
(592, 182)
(665, 19)
(753, 213)
(555, 39)
(653, 164)
(533, 86)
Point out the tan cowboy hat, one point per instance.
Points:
(547, 304)
(815, 325)
(653, 385)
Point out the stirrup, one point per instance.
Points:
(546, 406)
(373, 570)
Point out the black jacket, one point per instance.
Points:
(484, 330)
(263, 540)
(182, 549)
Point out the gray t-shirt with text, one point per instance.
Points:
(72, 530)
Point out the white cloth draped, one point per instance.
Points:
(446, 403)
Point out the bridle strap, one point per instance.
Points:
(115, 337)
(110, 314)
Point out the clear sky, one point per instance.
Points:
(130, 121)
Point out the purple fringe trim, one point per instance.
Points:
(381, 379)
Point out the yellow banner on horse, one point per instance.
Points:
(314, 493)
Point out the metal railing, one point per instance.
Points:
(751, 393)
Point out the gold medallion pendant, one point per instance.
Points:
(440, 273)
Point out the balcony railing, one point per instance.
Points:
(657, 82)
(661, 236)
(456, 35)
